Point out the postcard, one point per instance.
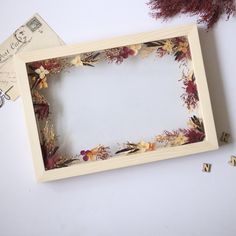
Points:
(34, 34)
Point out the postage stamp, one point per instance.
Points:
(34, 24)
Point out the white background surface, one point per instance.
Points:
(167, 198)
(109, 104)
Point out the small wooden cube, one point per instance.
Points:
(206, 167)
(232, 161)
(225, 137)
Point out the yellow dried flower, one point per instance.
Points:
(42, 72)
(135, 48)
(168, 46)
(183, 47)
(77, 61)
(180, 139)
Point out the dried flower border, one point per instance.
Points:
(40, 71)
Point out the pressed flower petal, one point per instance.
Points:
(38, 71)
(82, 152)
(45, 84)
(93, 158)
(42, 75)
(40, 86)
(77, 61)
(73, 61)
(41, 68)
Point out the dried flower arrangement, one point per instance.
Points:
(39, 72)
(208, 11)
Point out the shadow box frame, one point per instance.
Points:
(208, 144)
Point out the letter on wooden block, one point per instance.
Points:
(206, 167)
(232, 161)
(225, 137)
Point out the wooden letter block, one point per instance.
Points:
(232, 161)
(206, 167)
(225, 137)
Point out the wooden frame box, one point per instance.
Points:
(36, 72)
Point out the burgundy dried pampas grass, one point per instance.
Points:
(209, 11)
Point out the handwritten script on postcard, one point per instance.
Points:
(35, 34)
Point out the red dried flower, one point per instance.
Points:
(51, 64)
(52, 161)
(194, 136)
(50, 156)
(41, 110)
(190, 96)
(99, 152)
(86, 154)
(209, 11)
(191, 87)
(117, 55)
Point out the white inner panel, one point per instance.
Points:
(111, 103)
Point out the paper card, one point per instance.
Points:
(34, 34)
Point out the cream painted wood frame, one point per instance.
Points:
(210, 142)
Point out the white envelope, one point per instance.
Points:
(34, 34)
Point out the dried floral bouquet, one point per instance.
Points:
(207, 11)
